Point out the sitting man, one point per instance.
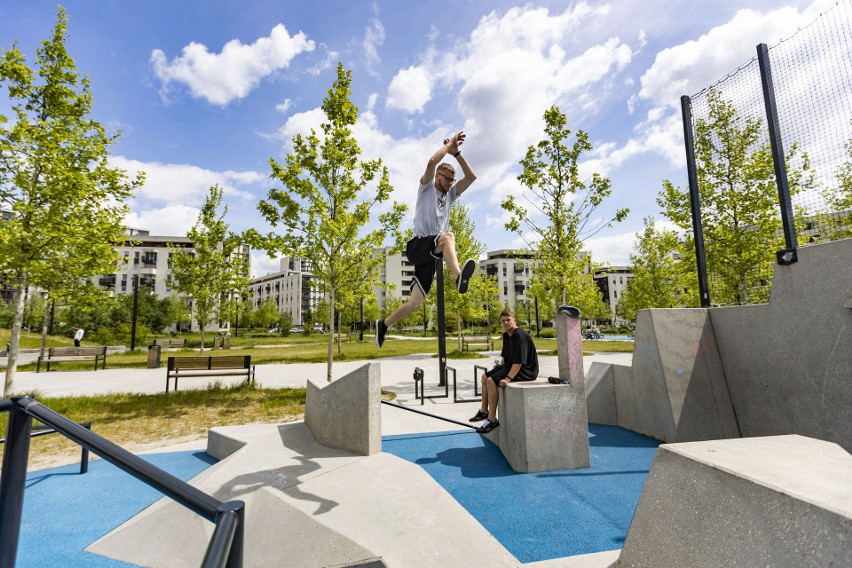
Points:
(519, 362)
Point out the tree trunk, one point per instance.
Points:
(15, 339)
(330, 337)
(459, 330)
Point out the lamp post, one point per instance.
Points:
(361, 325)
(135, 308)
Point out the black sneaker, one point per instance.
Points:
(487, 426)
(381, 330)
(480, 415)
(464, 278)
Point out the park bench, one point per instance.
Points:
(55, 354)
(477, 341)
(170, 342)
(341, 336)
(209, 366)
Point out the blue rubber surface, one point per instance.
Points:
(64, 512)
(539, 516)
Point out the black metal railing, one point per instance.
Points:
(226, 545)
(45, 430)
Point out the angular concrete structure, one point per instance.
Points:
(346, 414)
(677, 391)
(783, 501)
(600, 393)
(543, 427)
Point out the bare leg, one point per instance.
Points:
(493, 398)
(447, 245)
(484, 405)
(412, 305)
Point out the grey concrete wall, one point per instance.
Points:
(677, 391)
(788, 364)
(346, 414)
(600, 393)
(783, 501)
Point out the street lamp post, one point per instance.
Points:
(135, 308)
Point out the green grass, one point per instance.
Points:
(135, 420)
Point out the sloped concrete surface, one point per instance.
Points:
(781, 501)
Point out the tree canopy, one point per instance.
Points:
(324, 207)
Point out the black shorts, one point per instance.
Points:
(421, 253)
(500, 372)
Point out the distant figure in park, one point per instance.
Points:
(519, 362)
(438, 190)
(78, 335)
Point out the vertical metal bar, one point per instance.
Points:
(12, 482)
(442, 330)
(135, 307)
(787, 256)
(695, 202)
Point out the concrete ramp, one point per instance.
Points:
(783, 501)
(308, 505)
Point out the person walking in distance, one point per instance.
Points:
(438, 190)
(78, 335)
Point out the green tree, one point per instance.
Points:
(319, 208)
(266, 314)
(214, 271)
(461, 308)
(657, 278)
(559, 213)
(837, 223)
(739, 202)
(54, 176)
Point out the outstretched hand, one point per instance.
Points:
(454, 142)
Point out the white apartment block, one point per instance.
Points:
(397, 271)
(612, 281)
(512, 269)
(147, 262)
(292, 288)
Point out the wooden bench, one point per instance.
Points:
(170, 342)
(341, 337)
(477, 340)
(212, 366)
(55, 354)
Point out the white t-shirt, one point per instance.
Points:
(78, 335)
(432, 210)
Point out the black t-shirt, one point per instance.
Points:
(519, 348)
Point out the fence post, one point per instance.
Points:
(695, 202)
(12, 481)
(788, 255)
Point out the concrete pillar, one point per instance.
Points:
(569, 350)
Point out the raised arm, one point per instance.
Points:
(451, 146)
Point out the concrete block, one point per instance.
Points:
(677, 392)
(221, 445)
(600, 394)
(783, 501)
(346, 414)
(543, 427)
(788, 364)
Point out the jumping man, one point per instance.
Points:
(438, 190)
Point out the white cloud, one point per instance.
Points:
(171, 221)
(611, 249)
(410, 90)
(262, 264)
(374, 37)
(285, 106)
(233, 73)
(183, 184)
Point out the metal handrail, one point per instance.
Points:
(226, 545)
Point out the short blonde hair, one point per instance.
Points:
(507, 312)
(444, 166)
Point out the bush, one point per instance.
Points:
(548, 333)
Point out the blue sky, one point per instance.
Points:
(205, 92)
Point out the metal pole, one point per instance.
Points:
(361, 325)
(135, 307)
(442, 330)
(537, 326)
(787, 256)
(695, 202)
(13, 481)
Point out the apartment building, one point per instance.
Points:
(292, 288)
(147, 263)
(612, 281)
(512, 269)
(397, 271)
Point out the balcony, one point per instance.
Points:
(107, 281)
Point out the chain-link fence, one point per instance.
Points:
(802, 93)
